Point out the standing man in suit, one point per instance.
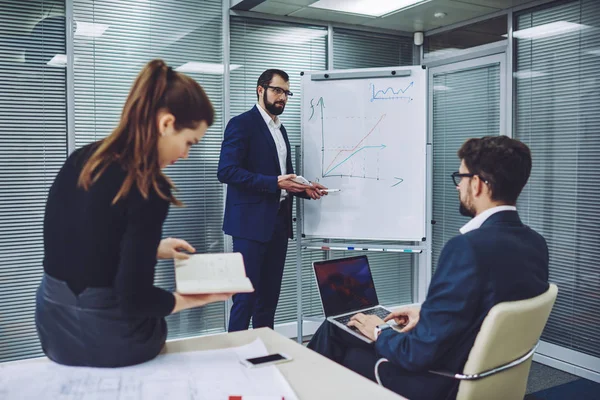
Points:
(256, 165)
(495, 259)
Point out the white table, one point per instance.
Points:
(311, 375)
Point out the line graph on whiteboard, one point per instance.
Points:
(390, 93)
(355, 154)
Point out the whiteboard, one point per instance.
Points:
(367, 137)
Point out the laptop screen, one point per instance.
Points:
(345, 285)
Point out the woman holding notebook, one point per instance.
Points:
(97, 304)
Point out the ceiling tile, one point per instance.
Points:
(275, 7)
(330, 16)
(420, 18)
(417, 18)
(501, 4)
(298, 2)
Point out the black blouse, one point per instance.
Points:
(89, 242)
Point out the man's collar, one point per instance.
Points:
(268, 120)
(476, 222)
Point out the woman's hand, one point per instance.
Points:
(171, 248)
(185, 301)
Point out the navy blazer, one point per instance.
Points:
(249, 165)
(503, 260)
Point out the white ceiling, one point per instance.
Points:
(417, 18)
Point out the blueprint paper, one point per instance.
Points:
(198, 375)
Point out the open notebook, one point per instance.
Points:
(212, 273)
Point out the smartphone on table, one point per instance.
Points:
(270, 359)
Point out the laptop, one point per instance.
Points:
(346, 288)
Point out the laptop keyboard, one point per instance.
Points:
(378, 311)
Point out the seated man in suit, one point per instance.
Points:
(495, 259)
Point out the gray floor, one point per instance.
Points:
(543, 377)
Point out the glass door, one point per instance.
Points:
(466, 99)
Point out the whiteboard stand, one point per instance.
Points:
(418, 242)
(424, 268)
(389, 248)
(299, 316)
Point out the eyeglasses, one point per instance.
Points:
(457, 177)
(279, 91)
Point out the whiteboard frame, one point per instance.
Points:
(362, 73)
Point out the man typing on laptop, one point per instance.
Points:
(495, 259)
(347, 289)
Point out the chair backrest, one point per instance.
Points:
(509, 331)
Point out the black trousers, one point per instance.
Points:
(360, 357)
(264, 267)
(344, 349)
(90, 329)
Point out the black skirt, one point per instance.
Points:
(90, 329)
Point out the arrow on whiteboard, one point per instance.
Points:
(321, 102)
(312, 107)
(400, 180)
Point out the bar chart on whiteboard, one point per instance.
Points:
(366, 137)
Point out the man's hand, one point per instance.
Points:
(285, 182)
(407, 315)
(170, 248)
(366, 324)
(316, 191)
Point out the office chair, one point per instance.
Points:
(500, 359)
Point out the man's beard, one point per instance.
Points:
(273, 108)
(465, 209)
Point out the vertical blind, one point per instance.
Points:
(33, 146)
(557, 115)
(466, 104)
(353, 49)
(113, 40)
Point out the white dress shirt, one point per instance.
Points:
(476, 222)
(275, 129)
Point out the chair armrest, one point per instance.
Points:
(377, 364)
(474, 377)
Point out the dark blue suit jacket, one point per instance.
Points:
(503, 260)
(249, 165)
